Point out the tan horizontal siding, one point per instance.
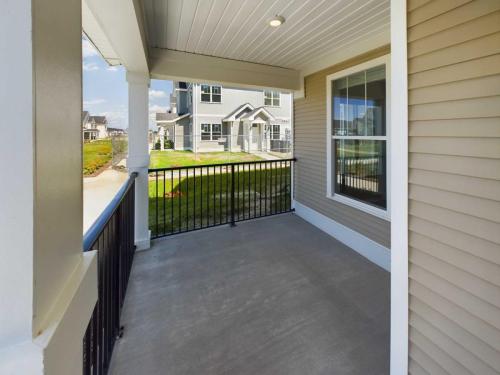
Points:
(454, 186)
(310, 149)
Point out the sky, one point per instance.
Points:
(105, 90)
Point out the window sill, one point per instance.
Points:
(382, 214)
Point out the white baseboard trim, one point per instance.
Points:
(373, 251)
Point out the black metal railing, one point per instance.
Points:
(112, 235)
(183, 199)
(362, 178)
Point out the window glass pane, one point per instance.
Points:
(356, 108)
(216, 98)
(268, 101)
(276, 95)
(360, 170)
(205, 98)
(375, 101)
(215, 89)
(205, 89)
(276, 102)
(339, 106)
(216, 131)
(205, 132)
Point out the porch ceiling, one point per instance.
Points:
(239, 29)
(230, 41)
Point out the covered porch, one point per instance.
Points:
(270, 296)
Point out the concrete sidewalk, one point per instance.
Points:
(98, 192)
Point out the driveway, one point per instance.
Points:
(98, 192)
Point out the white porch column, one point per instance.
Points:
(48, 287)
(161, 132)
(138, 154)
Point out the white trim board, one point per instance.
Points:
(373, 251)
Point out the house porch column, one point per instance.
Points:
(138, 153)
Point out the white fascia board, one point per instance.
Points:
(345, 53)
(191, 67)
(117, 26)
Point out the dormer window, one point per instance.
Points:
(211, 94)
(271, 98)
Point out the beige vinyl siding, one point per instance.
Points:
(454, 186)
(310, 149)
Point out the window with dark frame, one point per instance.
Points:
(272, 98)
(211, 94)
(211, 132)
(359, 138)
(275, 132)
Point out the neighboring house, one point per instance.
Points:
(94, 127)
(112, 132)
(212, 117)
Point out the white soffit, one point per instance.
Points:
(96, 36)
(115, 27)
(314, 31)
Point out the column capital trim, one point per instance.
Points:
(137, 77)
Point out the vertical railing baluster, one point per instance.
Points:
(156, 201)
(164, 205)
(255, 190)
(179, 201)
(260, 189)
(232, 195)
(194, 198)
(171, 201)
(220, 194)
(215, 194)
(249, 193)
(201, 197)
(187, 198)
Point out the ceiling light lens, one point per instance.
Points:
(276, 21)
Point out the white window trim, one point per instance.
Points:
(264, 98)
(211, 101)
(378, 212)
(211, 132)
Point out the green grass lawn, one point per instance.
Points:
(167, 159)
(96, 154)
(258, 192)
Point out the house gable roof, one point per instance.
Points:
(250, 116)
(168, 118)
(98, 119)
(239, 112)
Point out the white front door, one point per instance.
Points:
(255, 138)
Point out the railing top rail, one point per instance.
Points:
(100, 223)
(218, 165)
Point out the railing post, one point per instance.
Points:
(232, 196)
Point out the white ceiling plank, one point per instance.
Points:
(189, 10)
(293, 21)
(230, 12)
(211, 23)
(257, 24)
(318, 19)
(328, 35)
(347, 36)
(202, 14)
(357, 35)
(244, 28)
(173, 22)
(288, 12)
(239, 18)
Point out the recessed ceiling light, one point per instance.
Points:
(276, 21)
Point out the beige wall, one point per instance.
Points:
(454, 191)
(310, 151)
(58, 176)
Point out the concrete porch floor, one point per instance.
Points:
(271, 296)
